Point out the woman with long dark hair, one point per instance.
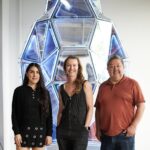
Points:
(32, 112)
(75, 108)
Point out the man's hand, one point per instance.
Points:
(131, 130)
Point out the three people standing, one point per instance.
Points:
(119, 109)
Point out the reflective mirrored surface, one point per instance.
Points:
(74, 32)
(73, 9)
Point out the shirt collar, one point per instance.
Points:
(122, 79)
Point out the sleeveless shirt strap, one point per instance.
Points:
(84, 82)
(61, 88)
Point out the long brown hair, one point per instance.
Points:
(80, 78)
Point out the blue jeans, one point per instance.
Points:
(118, 142)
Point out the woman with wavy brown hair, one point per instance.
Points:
(75, 108)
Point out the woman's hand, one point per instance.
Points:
(18, 140)
(48, 140)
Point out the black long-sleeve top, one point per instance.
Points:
(26, 110)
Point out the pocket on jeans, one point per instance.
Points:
(124, 134)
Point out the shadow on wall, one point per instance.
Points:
(1, 146)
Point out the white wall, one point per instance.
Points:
(17, 18)
(132, 22)
(1, 91)
(10, 40)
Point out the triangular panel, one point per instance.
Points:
(101, 38)
(24, 67)
(93, 87)
(96, 5)
(49, 64)
(73, 9)
(47, 79)
(50, 6)
(41, 30)
(31, 52)
(50, 44)
(55, 105)
(115, 45)
(100, 48)
(57, 86)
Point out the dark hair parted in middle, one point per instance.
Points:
(40, 86)
(80, 78)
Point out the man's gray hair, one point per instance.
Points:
(114, 57)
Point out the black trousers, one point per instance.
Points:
(72, 139)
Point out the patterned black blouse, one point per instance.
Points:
(26, 110)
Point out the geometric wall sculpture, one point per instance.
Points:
(71, 27)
